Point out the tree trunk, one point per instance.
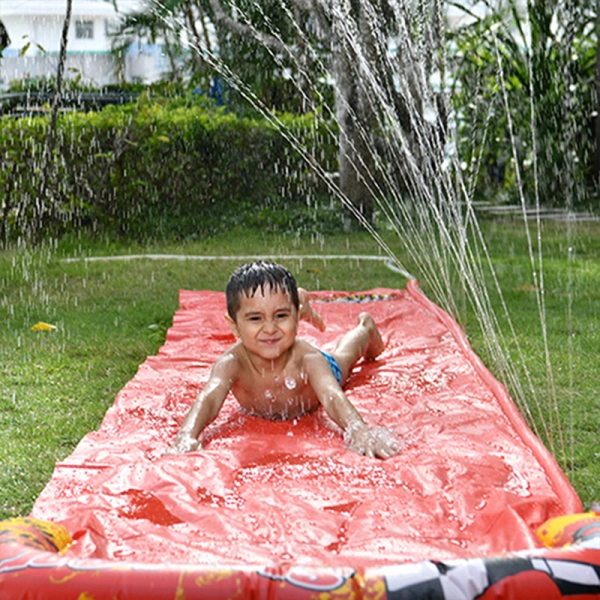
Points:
(189, 13)
(352, 113)
(352, 151)
(169, 50)
(207, 42)
(45, 202)
(597, 86)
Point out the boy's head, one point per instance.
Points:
(262, 274)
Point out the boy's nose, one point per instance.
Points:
(269, 325)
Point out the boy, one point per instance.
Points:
(273, 374)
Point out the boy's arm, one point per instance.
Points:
(207, 405)
(361, 437)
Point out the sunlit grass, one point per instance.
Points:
(55, 386)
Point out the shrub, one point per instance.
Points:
(156, 168)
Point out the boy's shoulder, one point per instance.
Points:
(305, 347)
(231, 359)
(305, 350)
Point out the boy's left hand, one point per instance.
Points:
(183, 444)
(376, 442)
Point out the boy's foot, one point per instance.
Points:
(376, 344)
(306, 311)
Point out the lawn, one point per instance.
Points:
(55, 386)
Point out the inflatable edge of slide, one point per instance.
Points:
(33, 564)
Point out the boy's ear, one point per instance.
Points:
(232, 325)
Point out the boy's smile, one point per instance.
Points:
(266, 325)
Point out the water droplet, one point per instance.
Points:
(290, 383)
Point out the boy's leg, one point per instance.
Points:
(364, 340)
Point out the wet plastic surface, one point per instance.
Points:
(472, 481)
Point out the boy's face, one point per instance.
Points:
(267, 325)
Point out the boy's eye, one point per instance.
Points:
(281, 315)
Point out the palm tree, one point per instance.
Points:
(176, 24)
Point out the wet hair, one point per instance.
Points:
(251, 276)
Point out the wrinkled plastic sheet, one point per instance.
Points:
(472, 481)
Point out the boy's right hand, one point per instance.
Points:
(183, 444)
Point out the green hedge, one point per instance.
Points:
(156, 169)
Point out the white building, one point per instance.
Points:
(471, 10)
(35, 30)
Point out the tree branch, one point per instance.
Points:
(246, 31)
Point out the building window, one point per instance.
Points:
(111, 27)
(84, 30)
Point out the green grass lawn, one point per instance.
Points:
(56, 386)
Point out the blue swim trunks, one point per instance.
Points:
(333, 365)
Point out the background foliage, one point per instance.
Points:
(159, 167)
(520, 79)
(523, 88)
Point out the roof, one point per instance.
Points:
(57, 8)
